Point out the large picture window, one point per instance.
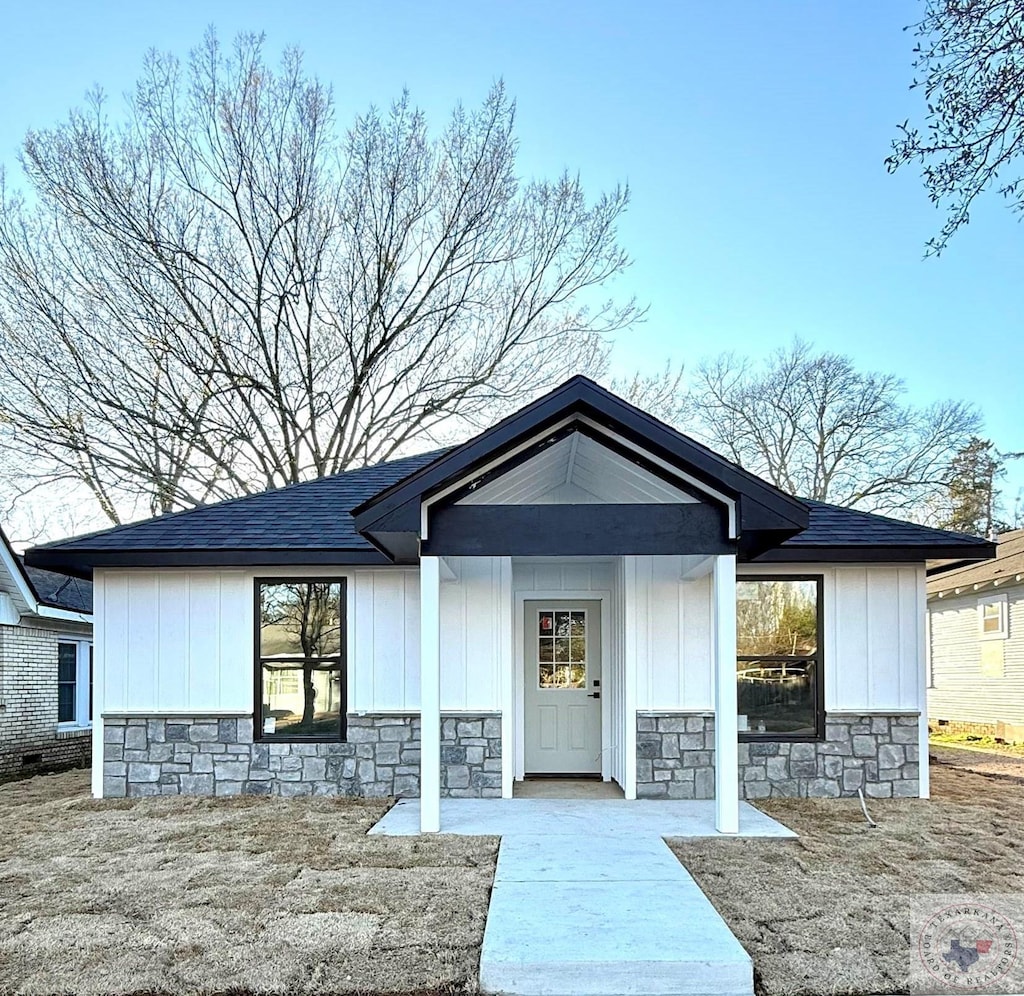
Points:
(300, 659)
(778, 661)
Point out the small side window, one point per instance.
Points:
(993, 622)
(67, 682)
(74, 683)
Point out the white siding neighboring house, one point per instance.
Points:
(976, 641)
(579, 590)
(45, 667)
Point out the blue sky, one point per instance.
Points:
(752, 135)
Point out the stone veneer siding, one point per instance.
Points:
(199, 755)
(675, 759)
(675, 756)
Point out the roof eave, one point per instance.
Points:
(849, 553)
(80, 562)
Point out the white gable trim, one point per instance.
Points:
(600, 430)
(22, 591)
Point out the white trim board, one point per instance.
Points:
(514, 763)
(601, 430)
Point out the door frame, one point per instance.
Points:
(519, 667)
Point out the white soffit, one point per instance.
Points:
(577, 470)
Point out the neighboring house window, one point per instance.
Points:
(301, 683)
(74, 683)
(779, 657)
(992, 617)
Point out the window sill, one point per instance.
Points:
(299, 740)
(74, 728)
(795, 738)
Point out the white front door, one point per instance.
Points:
(562, 661)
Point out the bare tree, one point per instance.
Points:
(970, 54)
(224, 292)
(663, 394)
(816, 427)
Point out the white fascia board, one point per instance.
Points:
(601, 431)
(47, 612)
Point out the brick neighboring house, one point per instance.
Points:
(45, 667)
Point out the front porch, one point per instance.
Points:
(577, 477)
(685, 692)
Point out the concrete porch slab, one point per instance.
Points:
(578, 817)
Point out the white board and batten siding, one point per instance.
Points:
(877, 639)
(174, 640)
(183, 641)
(384, 635)
(873, 643)
(960, 688)
(672, 636)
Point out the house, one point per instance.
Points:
(580, 589)
(45, 667)
(976, 644)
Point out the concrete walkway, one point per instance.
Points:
(588, 899)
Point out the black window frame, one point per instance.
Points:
(753, 736)
(341, 658)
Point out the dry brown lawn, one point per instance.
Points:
(243, 895)
(829, 913)
(269, 896)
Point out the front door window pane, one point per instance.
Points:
(561, 649)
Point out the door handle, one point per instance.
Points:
(593, 695)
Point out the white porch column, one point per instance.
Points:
(727, 807)
(430, 694)
(99, 682)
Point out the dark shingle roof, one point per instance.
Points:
(834, 525)
(311, 522)
(309, 515)
(59, 591)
